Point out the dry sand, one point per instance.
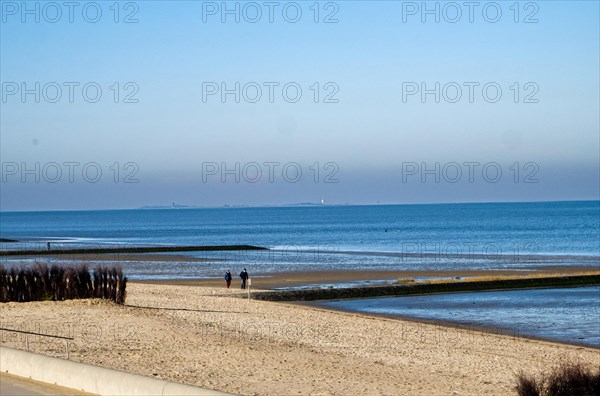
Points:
(268, 348)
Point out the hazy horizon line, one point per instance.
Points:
(302, 204)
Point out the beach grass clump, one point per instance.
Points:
(567, 379)
(42, 282)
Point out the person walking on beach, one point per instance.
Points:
(228, 278)
(244, 275)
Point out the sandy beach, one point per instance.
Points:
(212, 338)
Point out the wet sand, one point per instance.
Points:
(299, 278)
(116, 257)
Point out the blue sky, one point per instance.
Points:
(367, 142)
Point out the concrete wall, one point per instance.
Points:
(88, 378)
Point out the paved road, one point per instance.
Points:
(14, 386)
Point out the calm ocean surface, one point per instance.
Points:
(425, 237)
(570, 314)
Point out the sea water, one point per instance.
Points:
(487, 236)
(563, 314)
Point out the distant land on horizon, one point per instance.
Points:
(301, 204)
(179, 206)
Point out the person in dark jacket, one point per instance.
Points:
(228, 278)
(244, 276)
